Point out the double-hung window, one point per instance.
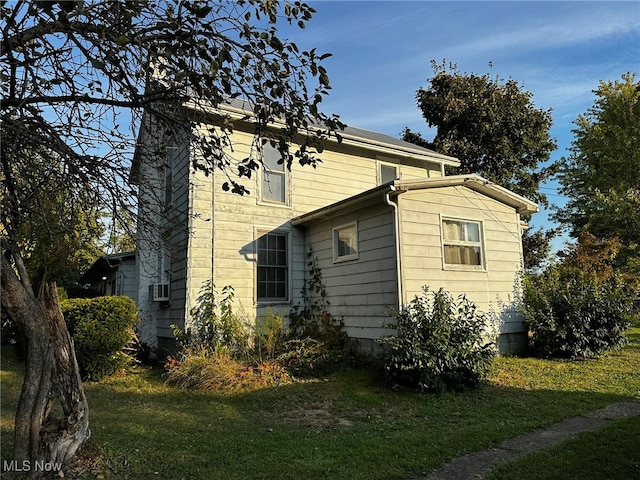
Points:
(274, 176)
(462, 244)
(273, 267)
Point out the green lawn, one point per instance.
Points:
(348, 426)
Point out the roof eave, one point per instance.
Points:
(237, 113)
(475, 182)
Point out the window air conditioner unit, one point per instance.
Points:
(159, 292)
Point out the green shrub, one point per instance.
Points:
(438, 345)
(575, 317)
(101, 327)
(214, 325)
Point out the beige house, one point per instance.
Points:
(378, 213)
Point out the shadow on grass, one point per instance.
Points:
(346, 426)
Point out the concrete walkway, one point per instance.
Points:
(476, 465)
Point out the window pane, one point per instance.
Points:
(452, 230)
(473, 232)
(459, 255)
(346, 241)
(273, 187)
(388, 173)
(272, 282)
(270, 157)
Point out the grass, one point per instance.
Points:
(347, 426)
(610, 453)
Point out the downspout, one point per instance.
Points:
(396, 218)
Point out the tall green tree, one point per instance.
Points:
(496, 131)
(601, 176)
(75, 78)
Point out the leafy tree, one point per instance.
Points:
(75, 78)
(53, 225)
(495, 130)
(601, 176)
(121, 234)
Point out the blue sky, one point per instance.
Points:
(558, 51)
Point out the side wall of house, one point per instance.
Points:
(126, 279)
(492, 288)
(225, 226)
(361, 290)
(162, 229)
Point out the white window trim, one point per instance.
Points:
(334, 242)
(461, 267)
(257, 233)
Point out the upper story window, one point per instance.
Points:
(462, 244)
(387, 172)
(274, 176)
(345, 242)
(273, 267)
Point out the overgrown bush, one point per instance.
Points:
(439, 344)
(575, 316)
(101, 327)
(214, 324)
(221, 350)
(218, 370)
(269, 336)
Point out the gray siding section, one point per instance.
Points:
(162, 229)
(361, 291)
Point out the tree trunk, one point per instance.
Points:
(52, 420)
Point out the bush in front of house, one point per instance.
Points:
(101, 328)
(222, 350)
(575, 316)
(214, 325)
(439, 344)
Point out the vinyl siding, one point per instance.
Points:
(360, 291)
(492, 288)
(237, 220)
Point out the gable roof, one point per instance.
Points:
(473, 182)
(385, 144)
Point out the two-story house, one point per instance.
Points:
(378, 213)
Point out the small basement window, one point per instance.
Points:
(345, 242)
(462, 244)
